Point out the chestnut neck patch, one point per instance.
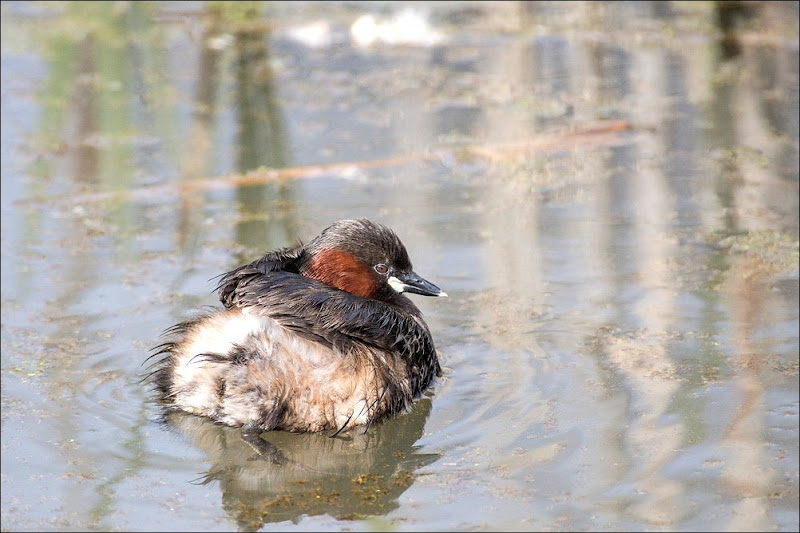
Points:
(342, 270)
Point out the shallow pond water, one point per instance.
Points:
(607, 192)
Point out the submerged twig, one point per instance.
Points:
(598, 135)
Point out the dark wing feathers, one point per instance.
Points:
(321, 313)
(235, 282)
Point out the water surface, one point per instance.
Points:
(608, 193)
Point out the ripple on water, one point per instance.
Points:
(495, 400)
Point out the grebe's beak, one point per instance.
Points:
(413, 283)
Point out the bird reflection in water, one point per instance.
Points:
(286, 476)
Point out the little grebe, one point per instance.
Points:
(311, 338)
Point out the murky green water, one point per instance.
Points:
(608, 193)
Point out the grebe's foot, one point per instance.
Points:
(251, 434)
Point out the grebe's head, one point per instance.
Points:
(365, 259)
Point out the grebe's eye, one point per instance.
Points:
(381, 269)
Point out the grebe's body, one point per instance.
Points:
(313, 338)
